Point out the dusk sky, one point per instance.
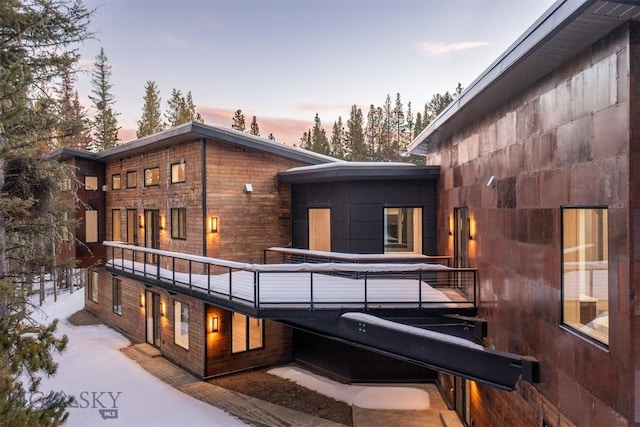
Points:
(285, 60)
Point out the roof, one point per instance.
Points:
(66, 153)
(193, 131)
(565, 29)
(346, 171)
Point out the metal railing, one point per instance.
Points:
(304, 285)
(294, 256)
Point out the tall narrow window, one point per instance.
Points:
(132, 179)
(181, 324)
(151, 177)
(91, 226)
(247, 333)
(117, 296)
(115, 182)
(177, 172)
(320, 229)
(585, 271)
(403, 230)
(116, 224)
(179, 223)
(132, 226)
(92, 285)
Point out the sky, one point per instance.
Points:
(286, 60)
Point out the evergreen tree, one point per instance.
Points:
(255, 130)
(398, 129)
(373, 131)
(337, 142)
(386, 149)
(151, 121)
(410, 126)
(38, 44)
(305, 141)
(319, 141)
(418, 126)
(194, 116)
(181, 109)
(72, 129)
(238, 121)
(355, 136)
(105, 122)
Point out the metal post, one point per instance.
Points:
(311, 288)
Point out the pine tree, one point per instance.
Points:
(38, 44)
(238, 121)
(319, 141)
(105, 122)
(385, 151)
(398, 129)
(151, 120)
(181, 109)
(410, 127)
(355, 136)
(255, 130)
(337, 141)
(193, 115)
(72, 129)
(418, 126)
(305, 140)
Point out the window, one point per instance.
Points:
(151, 177)
(585, 272)
(91, 226)
(177, 172)
(247, 333)
(132, 226)
(132, 179)
(117, 296)
(92, 285)
(181, 324)
(403, 230)
(91, 183)
(116, 223)
(179, 223)
(115, 182)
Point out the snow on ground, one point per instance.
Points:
(111, 389)
(368, 397)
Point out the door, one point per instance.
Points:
(151, 232)
(152, 309)
(462, 399)
(320, 229)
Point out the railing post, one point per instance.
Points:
(208, 279)
(256, 284)
(420, 289)
(366, 304)
(158, 269)
(230, 272)
(190, 279)
(311, 289)
(475, 287)
(173, 270)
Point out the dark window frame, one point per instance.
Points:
(182, 304)
(116, 300)
(135, 179)
(184, 172)
(181, 232)
(93, 285)
(113, 181)
(149, 170)
(247, 330)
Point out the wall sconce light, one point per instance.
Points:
(163, 310)
(450, 221)
(141, 221)
(471, 225)
(248, 188)
(491, 181)
(163, 222)
(142, 300)
(213, 224)
(214, 325)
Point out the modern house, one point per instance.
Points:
(539, 158)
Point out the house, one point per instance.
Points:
(539, 190)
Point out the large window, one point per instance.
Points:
(91, 183)
(92, 285)
(91, 226)
(181, 324)
(247, 333)
(132, 179)
(177, 172)
(179, 223)
(115, 182)
(116, 224)
(151, 177)
(403, 230)
(117, 296)
(585, 272)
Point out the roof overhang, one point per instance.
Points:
(351, 171)
(66, 153)
(564, 30)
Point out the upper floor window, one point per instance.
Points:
(179, 223)
(177, 172)
(151, 177)
(115, 182)
(403, 230)
(91, 226)
(132, 179)
(116, 222)
(585, 271)
(247, 333)
(91, 183)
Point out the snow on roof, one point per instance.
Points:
(341, 164)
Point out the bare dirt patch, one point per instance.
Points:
(279, 391)
(83, 318)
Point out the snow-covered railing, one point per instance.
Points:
(303, 285)
(293, 255)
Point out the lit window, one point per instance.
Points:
(585, 271)
(115, 182)
(403, 230)
(116, 232)
(117, 296)
(92, 285)
(151, 177)
(179, 223)
(91, 183)
(247, 333)
(181, 324)
(91, 226)
(132, 226)
(177, 172)
(132, 179)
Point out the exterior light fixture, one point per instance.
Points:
(450, 221)
(141, 221)
(163, 222)
(491, 181)
(163, 310)
(142, 300)
(213, 224)
(471, 225)
(214, 324)
(248, 188)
